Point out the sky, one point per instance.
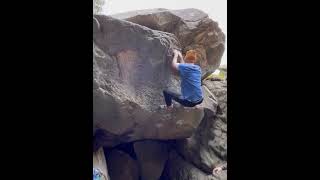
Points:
(216, 9)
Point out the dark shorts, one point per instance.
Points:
(169, 95)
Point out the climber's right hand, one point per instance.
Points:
(176, 52)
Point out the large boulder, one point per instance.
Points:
(99, 162)
(129, 75)
(207, 147)
(122, 166)
(219, 90)
(151, 156)
(193, 28)
(179, 169)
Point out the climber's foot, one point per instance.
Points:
(194, 107)
(166, 107)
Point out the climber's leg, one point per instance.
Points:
(193, 105)
(169, 95)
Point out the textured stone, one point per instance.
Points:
(179, 169)
(152, 156)
(207, 147)
(122, 166)
(193, 28)
(128, 83)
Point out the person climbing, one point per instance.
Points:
(190, 75)
(217, 170)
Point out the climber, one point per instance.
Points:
(190, 75)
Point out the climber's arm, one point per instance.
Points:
(181, 58)
(175, 63)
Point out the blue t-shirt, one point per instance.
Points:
(190, 75)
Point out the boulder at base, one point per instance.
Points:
(122, 166)
(152, 156)
(207, 147)
(179, 169)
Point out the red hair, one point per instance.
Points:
(191, 56)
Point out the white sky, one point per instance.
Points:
(216, 9)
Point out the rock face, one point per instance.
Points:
(152, 156)
(193, 28)
(219, 89)
(179, 169)
(131, 59)
(99, 162)
(122, 166)
(207, 147)
(128, 81)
